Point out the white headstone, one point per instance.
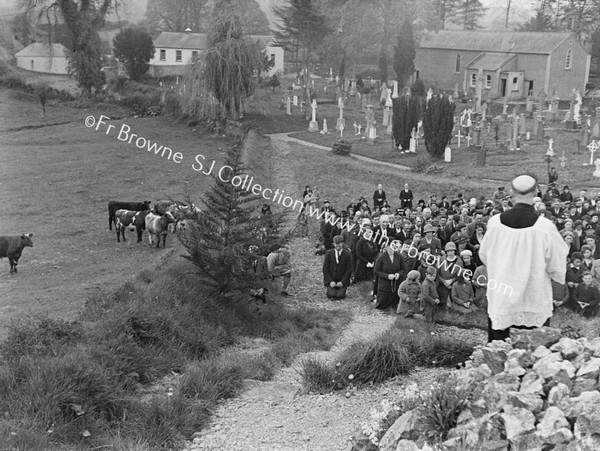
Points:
(325, 126)
(592, 147)
(448, 154)
(550, 151)
(395, 94)
(597, 171)
(313, 106)
(295, 102)
(288, 106)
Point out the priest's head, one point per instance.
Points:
(524, 189)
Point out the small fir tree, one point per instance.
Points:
(218, 241)
(438, 122)
(405, 118)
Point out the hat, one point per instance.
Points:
(399, 211)
(523, 184)
(466, 252)
(586, 273)
(566, 187)
(594, 213)
(576, 256)
(500, 188)
(461, 239)
(585, 248)
(588, 227)
(413, 274)
(325, 201)
(456, 218)
(578, 223)
(460, 226)
(337, 239)
(428, 228)
(450, 246)
(431, 270)
(568, 233)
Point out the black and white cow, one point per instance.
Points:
(115, 205)
(179, 210)
(134, 220)
(12, 247)
(159, 226)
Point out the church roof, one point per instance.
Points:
(495, 41)
(490, 61)
(195, 41)
(44, 49)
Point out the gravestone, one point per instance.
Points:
(585, 133)
(522, 125)
(295, 101)
(539, 136)
(372, 131)
(395, 94)
(413, 141)
(353, 90)
(386, 112)
(288, 106)
(313, 126)
(504, 116)
(481, 156)
(541, 99)
(554, 108)
(369, 117)
(324, 131)
(592, 147)
(596, 128)
(388, 131)
(341, 122)
(597, 171)
(484, 108)
(577, 107)
(529, 107)
(448, 154)
(459, 136)
(477, 136)
(550, 151)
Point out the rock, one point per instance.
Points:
(524, 358)
(406, 445)
(517, 422)
(554, 427)
(578, 405)
(548, 367)
(473, 376)
(594, 347)
(568, 348)
(513, 367)
(531, 339)
(589, 369)
(530, 401)
(540, 352)
(405, 428)
(531, 383)
(587, 428)
(494, 358)
(583, 384)
(475, 433)
(559, 396)
(526, 442)
(363, 443)
(496, 391)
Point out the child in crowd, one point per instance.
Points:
(462, 294)
(409, 294)
(586, 296)
(429, 295)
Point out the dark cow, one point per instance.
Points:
(12, 247)
(130, 219)
(159, 226)
(115, 205)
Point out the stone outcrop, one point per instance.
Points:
(537, 391)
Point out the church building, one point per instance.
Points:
(511, 64)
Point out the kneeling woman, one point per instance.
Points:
(389, 270)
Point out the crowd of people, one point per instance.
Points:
(424, 253)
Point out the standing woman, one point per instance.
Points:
(475, 242)
(390, 272)
(366, 252)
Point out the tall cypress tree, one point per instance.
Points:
(405, 118)
(405, 53)
(438, 122)
(218, 240)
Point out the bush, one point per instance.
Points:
(342, 147)
(117, 83)
(318, 377)
(212, 379)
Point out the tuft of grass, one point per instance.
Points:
(212, 379)
(317, 376)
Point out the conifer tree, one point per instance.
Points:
(405, 53)
(438, 122)
(405, 118)
(218, 240)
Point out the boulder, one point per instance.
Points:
(559, 396)
(531, 383)
(540, 352)
(589, 369)
(578, 405)
(513, 367)
(476, 433)
(548, 367)
(517, 422)
(567, 347)
(529, 401)
(587, 428)
(406, 445)
(594, 346)
(531, 339)
(524, 358)
(496, 391)
(405, 428)
(554, 427)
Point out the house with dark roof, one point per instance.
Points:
(513, 64)
(173, 51)
(43, 57)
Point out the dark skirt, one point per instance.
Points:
(386, 299)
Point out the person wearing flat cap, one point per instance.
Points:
(337, 269)
(523, 253)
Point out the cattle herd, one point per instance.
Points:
(123, 215)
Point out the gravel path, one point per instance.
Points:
(275, 415)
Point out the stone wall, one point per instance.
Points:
(540, 392)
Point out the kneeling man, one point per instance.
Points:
(337, 269)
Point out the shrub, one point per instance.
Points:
(422, 163)
(117, 83)
(317, 377)
(212, 379)
(342, 147)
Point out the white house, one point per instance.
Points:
(173, 51)
(43, 57)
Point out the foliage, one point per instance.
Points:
(382, 63)
(438, 122)
(342, 147)
(177, 15)
(539, 22)
(218, 241)
(217, 85)
(467, 14)
(405, 53)
(405, 118)
(267, 62)
(134, 48)
(418, 88)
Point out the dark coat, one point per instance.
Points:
(384, 267)
(378, 198)
(366, 252)
(406, 198)
(337, 272)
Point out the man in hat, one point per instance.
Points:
(566, 195)
(430, 240)
(499, 194)
(523, 252)
(337, 270)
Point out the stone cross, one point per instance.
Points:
(313, 106)
(359, 129)
(468, 138)
(550, 151)
(341, 131)
(341, 122)
(577, 107)
(505, 106)
(593, 147)
(390, 123)
(458, 135)
(355, 128)
(413, 141)
(563, 159)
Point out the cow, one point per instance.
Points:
(12, 247)
(179, 210)
(159, 226)
(132, 220)
(115, 205)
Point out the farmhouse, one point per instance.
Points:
(43, 57)
(514, 64)
(173, 51)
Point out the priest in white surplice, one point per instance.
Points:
(523, 252)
